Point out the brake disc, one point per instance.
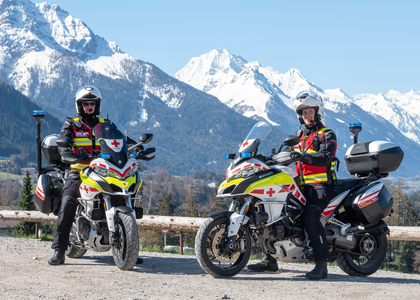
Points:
(221, 255)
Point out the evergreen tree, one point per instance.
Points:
(26, 203)
(165, 206)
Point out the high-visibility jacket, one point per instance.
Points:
(314, 174)
(82, 137)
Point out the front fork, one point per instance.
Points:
(236, 220)
(110, 213)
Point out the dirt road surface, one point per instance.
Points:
(25, 274)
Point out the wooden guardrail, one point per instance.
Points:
(189, 224)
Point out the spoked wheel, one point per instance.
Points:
(213, 251)
(372, 255)
(125, 248)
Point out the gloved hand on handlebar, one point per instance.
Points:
(305, 157)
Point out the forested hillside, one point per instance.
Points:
(17, 127)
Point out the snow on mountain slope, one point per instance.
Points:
(246, 87)
(402, 110)
(47, 54)
(263, 93)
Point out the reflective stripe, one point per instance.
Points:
(320, 177)
(79, 166)
(84, 142)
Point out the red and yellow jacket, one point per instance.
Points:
(80, 131)
(318, 163)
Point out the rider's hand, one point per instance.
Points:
(307, 159)
(296, 156)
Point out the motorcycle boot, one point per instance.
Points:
(268, 263)
(319, 272)
(58, 258)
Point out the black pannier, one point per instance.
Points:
(377, 157)
(48, 192)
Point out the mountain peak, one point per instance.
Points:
(46, 25)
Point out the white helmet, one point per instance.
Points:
(308, 99)
(88, 93)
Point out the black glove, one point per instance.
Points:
(296, 156)
(307, 159)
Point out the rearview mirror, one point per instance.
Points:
(146, 138)
(65, 142)
(291, 140)
(72, 158)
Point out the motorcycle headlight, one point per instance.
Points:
(115, 175)
(101, 171)
(132, 171)
(244, 173)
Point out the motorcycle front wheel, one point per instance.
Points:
(368, 259)
(213, 253)
(125, 248)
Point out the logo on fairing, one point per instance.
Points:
(266, 175)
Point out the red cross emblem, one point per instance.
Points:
(246, 143)
(271, 192)
(86, 189)
(115, 143)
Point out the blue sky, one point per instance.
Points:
(358, 46)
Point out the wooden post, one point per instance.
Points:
(36, 230)
(181, 242)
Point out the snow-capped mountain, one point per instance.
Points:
(47, 55)
(263, 93)
(259, 92)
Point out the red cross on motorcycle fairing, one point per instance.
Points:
(115, 143)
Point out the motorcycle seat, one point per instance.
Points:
(348, 183)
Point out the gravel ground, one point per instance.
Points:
(25, 274)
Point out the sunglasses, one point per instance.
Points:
(89, 104)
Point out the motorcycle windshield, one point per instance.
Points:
(113, 141)
(257, 134)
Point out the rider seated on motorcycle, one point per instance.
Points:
(315, 154)
(79, 129)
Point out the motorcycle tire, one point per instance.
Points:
(214, 259)
(367, 264)
(75, 252)
(126, 249)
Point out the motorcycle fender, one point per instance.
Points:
(226, 213)
(236, 220)
(110, 215)
(126, 210)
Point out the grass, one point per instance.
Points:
(4, 175)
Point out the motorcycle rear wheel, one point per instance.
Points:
(73, 251)
(373, 252)
(213, 257)
(126, 249)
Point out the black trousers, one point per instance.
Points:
(318, 196)
(66, 214)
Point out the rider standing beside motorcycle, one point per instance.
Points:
(79, 129)
(315, 166)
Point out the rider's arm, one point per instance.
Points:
(326, 151)
(66, 131)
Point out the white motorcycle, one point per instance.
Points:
(268, 200)
(108, 207)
